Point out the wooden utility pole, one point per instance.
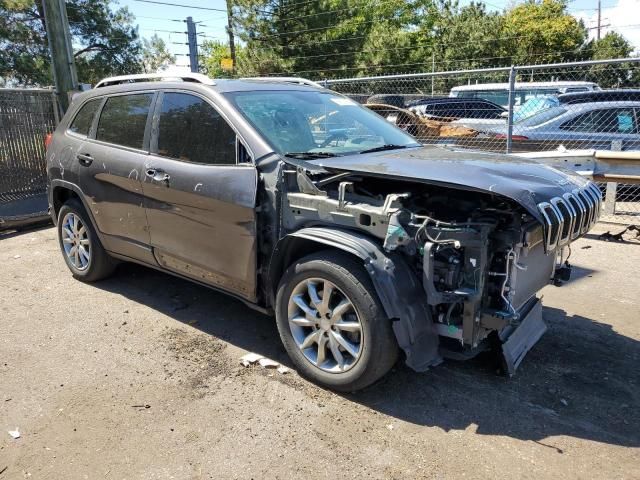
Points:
(59, 39)
(232, 44)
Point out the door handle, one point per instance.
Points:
(158, 175)
(84, 159)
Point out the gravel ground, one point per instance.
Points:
(79, 363)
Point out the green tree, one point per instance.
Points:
(319, 38)
(155, 55)
(466, 37)
(333, 38)
(104, 38)
(613, 45)
(212, 52)
(543, 32)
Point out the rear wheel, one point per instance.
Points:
(81, 247)
(331, 322)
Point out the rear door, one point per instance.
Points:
(111, 162)
(200, 200)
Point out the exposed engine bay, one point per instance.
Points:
(480, 257)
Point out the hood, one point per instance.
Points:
(523, 181)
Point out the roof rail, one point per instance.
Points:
(296, 80)
(150, 77)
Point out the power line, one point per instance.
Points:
(159, 18)
(181, 5)
(368, 67)
(381, 2)
(162, 31)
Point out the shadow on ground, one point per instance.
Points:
(581, 380)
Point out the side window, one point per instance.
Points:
(192, 130)
(500, 97)
(443, 110)
(84, 118)
(613, 120)
(482, 110)
(581, 123)
(623, 121)
(575, 89)
(123, 120)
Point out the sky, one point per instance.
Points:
(169, 22)
(622, 16)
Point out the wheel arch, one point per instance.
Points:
(60, 193)
(398, 288)
(59, 196)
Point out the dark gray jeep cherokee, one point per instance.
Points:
(302, 203)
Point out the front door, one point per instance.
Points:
(200, 202)
(110, 169)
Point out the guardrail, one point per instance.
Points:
(617, 175)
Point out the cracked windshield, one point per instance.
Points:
(309, 124)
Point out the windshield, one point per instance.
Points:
(316, 122)
(542, 116)
(533, 106)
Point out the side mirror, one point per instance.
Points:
(504, 115)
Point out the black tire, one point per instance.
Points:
(100, 265)
(379, 347)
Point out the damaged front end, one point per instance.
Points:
(457, 269)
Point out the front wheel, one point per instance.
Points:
(332, 324)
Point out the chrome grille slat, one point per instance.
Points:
(590, 211)
(585, 211)
(596, 202)
(568, 217)
(548, 211)
(578, 213)
(598, 196)
(571, 215)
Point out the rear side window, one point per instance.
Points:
(448, 109)
(499, 97)
(192, 130)
(123, 120)
(82, 123)
(613, 120)
(482, 110)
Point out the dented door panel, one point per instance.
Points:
(202, 221)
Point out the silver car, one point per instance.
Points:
(600, 125)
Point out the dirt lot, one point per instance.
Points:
(79, 362)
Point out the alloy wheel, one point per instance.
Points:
(325, 325)
(75, 241)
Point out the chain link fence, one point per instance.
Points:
(26, 117)
(533, 108)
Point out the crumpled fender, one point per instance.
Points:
(400, 292)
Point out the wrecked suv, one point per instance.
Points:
(301, 203)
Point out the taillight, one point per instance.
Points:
(502, 136)
(47, 140)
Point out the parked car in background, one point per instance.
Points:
(539, 104)
(460, 109)
(613, 95)
(499, 92)
(303, 204)
(599, 125)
